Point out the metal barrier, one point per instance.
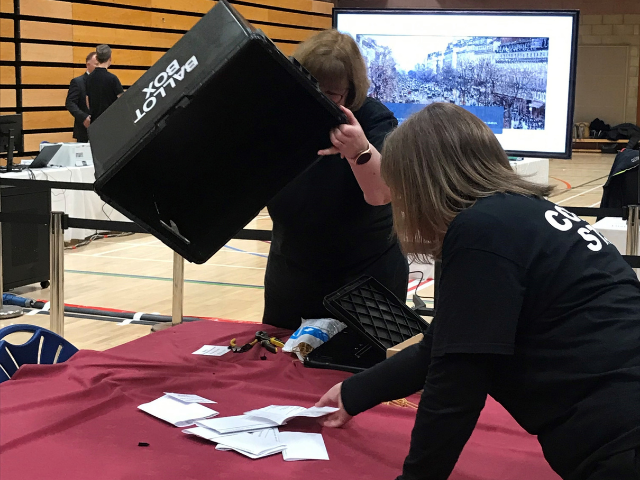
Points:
(58, 222)
(56, 273)
(633, 224)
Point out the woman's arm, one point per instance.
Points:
(373, 187)
(397, 377)
(349, 140)
(453, 397)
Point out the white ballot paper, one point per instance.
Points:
(224, 448)
(206, 433)
(212, 435)
(177, 413)
(253, 445)
(268, 441)
(270, 434)
(280, 414)
(187, 398)
(212, 350)
(236, 424)
(303, 446)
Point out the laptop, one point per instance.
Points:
(45, 156)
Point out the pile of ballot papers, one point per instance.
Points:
(254, 434)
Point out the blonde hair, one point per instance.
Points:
(330, 56)
(437, 163)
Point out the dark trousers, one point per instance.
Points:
(621, 466)
(293, 293)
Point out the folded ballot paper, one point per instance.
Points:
(176, 412)
(188, 398)
(303, 446)
(267, 417)
(256, 444)
(281, 414)
(263, 443)
(255, 434)
(253, 445)
(236, 424)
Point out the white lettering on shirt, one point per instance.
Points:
(563, 220)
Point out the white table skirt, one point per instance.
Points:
(75, 203)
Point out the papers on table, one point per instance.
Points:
(205, 433)
(263, 443)
(224, 448)
(177, 413)
(236, 424)
(254, 434)
(280, 414)
(254, 445)
(268, 417)
(303, 446)
(212, 350)
(186, 398)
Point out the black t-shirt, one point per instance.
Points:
(321, 220)
(103, 88)
(541, 312)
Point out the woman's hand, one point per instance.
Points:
(348, 139)
(331, 399)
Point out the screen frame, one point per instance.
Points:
(575, 14)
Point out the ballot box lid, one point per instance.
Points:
(380, 316)
(197, 147)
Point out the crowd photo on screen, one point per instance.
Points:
(501, 80)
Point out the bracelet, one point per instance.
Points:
(363, 157)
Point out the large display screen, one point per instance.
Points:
(514, 70)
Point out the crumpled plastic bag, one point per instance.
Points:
(311, 334)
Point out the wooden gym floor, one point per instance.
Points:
(133, 273)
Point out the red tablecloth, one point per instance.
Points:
(79, 420)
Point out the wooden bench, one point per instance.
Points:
(596, 142)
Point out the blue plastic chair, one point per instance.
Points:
(30, 351)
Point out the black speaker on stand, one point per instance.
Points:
(25, 247)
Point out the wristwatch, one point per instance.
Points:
(363, 157)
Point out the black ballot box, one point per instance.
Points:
(209, 134)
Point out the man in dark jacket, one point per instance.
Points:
(103, 87)
(76, 101)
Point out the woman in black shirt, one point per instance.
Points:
(334, 222)
(535, 308)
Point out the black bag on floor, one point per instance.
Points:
(624, 131)
(599, 129)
